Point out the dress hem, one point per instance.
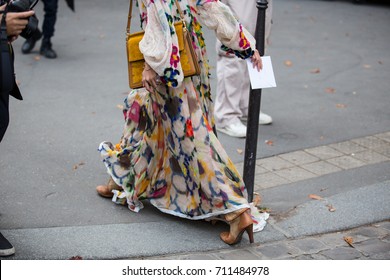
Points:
(201, 217)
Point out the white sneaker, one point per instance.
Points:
(237, 129)
(263, 118)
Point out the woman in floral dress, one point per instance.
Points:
(168, 152)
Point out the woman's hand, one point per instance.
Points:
(256, 61)
(150, 79)
(16, 22)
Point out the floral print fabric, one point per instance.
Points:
(168, 152)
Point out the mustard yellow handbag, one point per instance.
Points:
(188, 57)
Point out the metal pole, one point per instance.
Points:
(254, 108)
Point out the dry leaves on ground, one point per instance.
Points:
(349, 240)
(256, 199)
(240, 151)
(264, 209)
(315, 71)
(331, 208)
(341, 106)
(314, 196)
(77, 165)
(76, 258)
(288, 63)
(330, 90)
(269, 142)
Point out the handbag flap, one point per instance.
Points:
(180, 35)
(134, 54)
(134, 39)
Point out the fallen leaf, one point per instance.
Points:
(315, 71)
(239, 151)
(37, 58)
(120, 106)
(339, 105)
(269, 142)
(264, 209)
(77, 165)
(349, 240)
(330, 90)
(367, 66)
(314, 196)
(323, 189)
(76, 258)
(256, 199)
(288, 63)
(331, 208)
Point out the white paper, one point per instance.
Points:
(263, 79)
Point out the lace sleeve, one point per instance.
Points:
(233, 36)
(160, 44)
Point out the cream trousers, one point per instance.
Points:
(233, 84)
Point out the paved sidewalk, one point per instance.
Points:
(318, 161)
(370, 242)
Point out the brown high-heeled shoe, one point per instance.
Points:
(239, 221)
(106, 190)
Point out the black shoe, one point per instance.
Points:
(29, 44)
(6, 248)
(46, 49)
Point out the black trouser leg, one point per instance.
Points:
(49, 21)
(4, 113)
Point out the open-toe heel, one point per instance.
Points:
(239, 223)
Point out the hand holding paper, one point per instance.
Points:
(263, 79)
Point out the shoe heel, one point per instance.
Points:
(249, 230)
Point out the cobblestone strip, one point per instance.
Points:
(367, 242)
(314, 162)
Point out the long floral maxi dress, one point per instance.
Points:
(168, 152)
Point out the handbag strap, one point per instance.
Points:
(129, 17)
(131, 11)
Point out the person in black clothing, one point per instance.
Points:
(12, 25)
(50, 8)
